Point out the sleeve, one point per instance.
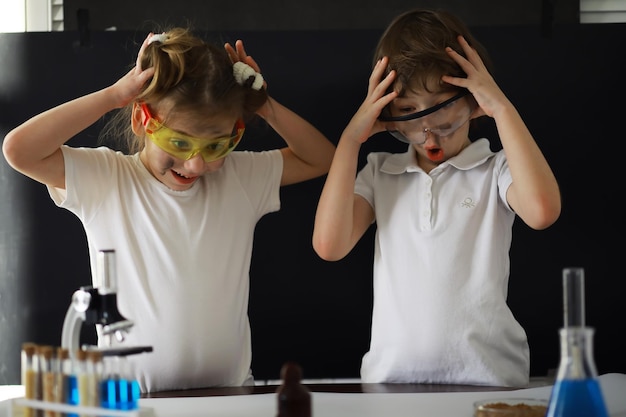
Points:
(364, 185)
(260, 173)
(88, 171)
(503, 176)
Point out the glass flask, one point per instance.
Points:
(576, 391)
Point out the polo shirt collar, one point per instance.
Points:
(475, 154)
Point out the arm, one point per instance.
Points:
(343, 217)
(308, 153)
(534, 193)
(34, 147)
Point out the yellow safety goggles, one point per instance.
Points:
(186, 147)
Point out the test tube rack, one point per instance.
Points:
(17, 406)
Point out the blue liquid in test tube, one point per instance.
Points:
(134, 392)
(120, 394)
(108, 393)
(73, 394)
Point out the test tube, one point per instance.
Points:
(30, 374)
(109, 383)
(573, 297)
(46, 370)
(93, 375)
(80, 371)
(130, 384)
(120, 390)
(69, 381)
(28, 350)
(63, 369)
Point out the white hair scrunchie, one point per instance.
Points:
(243, 72)
(161, 37)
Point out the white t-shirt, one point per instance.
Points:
(441, 271)
(183, 258)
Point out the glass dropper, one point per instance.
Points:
(574, 323)
(573, 297)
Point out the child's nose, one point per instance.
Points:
(195, 164)
(430, 136)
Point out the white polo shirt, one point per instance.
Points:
(441, 270)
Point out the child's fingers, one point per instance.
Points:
(378, 71)
(471, 54)
(250, 61)
(142, 49)
(231, 52)
(241, 51)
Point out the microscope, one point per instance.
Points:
(97, 305)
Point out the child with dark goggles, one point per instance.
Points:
(442, 120)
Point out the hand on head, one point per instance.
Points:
(238, 54)
(479, 81)
(130, 85)
(365, 122)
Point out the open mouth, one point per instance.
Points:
(435, 154)
(182, 179)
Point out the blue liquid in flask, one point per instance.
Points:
(577, 398)
(576, 392)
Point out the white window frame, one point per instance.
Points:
(31, 15)
(602, 11)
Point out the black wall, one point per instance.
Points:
(303, 14)
(566, 85)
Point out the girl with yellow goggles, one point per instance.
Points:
(186, 147)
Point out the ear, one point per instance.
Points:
(136, 120)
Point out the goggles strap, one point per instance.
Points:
(423, 113)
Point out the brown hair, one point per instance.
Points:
(191, 77)
(415, 43)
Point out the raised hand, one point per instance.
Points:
(365, 121)
(479, 81)
(130, 85)
(238, 53)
